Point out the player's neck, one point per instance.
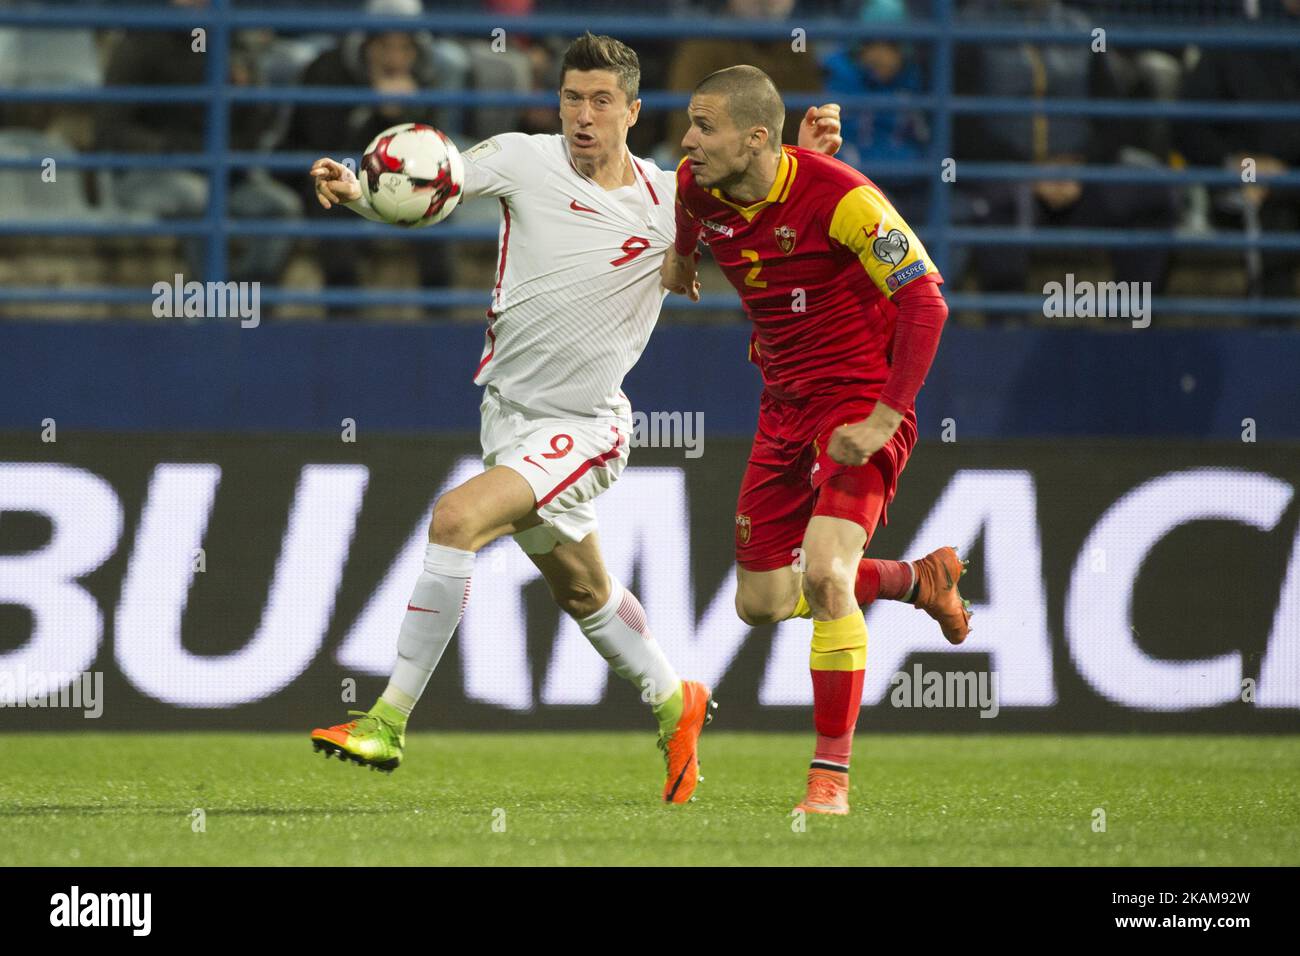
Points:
(755, 185)
(608, 172)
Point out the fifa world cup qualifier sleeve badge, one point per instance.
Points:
(891, 248)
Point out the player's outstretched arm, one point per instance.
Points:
(336, 184)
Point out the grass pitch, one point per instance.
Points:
(91, 799)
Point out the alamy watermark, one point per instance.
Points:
(669, 430)
(21, 687)
(133, 911)
(945, 689)
(1098, 300)
(179, 299)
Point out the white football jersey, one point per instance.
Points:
(577, 291)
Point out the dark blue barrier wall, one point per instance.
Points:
(306, 377)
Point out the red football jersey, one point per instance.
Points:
(815, 263)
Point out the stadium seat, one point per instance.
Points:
(31, 58)
(286, 57)
(503, 71)
(25, 196)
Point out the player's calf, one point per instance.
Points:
(613, 620)
(464, 520)
(838, 656)
(580, 599)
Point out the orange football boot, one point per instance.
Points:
(828, 792)
(679, 745)
(937, 575)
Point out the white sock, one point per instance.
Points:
(619, 633)
(431, 617)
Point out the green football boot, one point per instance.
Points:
(375, 739)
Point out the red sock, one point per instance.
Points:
(833, 752)
(886, 580)
(837, 698)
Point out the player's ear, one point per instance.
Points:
(634, 111)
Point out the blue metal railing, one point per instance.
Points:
(943, 33)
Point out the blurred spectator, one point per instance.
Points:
(878, 66)
(1040, 72)
(514, 62)
(398, 61)
(544, 60)
(1269, 74)
(871, 134)
(162, 59)
(53, 57)
(792, 72)
(404, 61)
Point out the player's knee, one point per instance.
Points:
(757, 610)
(829, 590)
(580, 599)
(454, 523)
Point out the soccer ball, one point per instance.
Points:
(412, 175)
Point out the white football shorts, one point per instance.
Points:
(566, 461)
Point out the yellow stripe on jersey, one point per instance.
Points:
(678, 200)
(780, 191)
(789, 180)
(867, 223)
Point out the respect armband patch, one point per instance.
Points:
(902, 277)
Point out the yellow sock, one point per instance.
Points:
(840, 645)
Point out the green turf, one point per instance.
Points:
(114, 799)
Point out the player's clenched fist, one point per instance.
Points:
(335, 183)
(856, 442)
(679, 275)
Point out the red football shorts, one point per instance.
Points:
(789, 465)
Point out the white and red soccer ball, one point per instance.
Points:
(412, 175)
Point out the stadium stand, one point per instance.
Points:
(1131, 170)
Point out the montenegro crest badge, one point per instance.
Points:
(785, 237)
(742, 528)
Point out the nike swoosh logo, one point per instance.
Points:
(426, 610)
(678, 782)
(578, 207)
